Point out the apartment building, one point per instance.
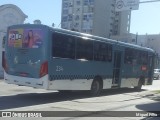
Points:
(97, 17)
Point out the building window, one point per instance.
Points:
(65, 5)
(64, 18)
(71, 25)
(84, 30)
(77, 17)
(115, 32)
(116, 27)
(88, 2)
(65, 11)
(91, 9)
(76, 25)
(90, 31)
(133, 40)
(85, 2)
(70, 4)
(117, 13)
(87, 25)
(85, 10)
(128, 16)
(91, 2)
(70, 17)
(78, 2)
(117, 21)
(64, 25)
(87, 17)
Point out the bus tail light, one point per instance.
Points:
(143, 68)
(44, 69)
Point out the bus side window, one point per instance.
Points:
(133, 56)
(128, 56)
(84, 49)
(144, 58)
(63, 46)
(102, 52)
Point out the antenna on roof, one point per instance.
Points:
(53, 24)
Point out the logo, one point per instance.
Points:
(120, 4)
(6, 114)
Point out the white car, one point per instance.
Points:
(156, 73)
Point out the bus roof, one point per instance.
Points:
(97, 38)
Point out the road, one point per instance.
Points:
(21, 98)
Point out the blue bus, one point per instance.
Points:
(56, 59)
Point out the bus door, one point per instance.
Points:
(117, 68)
(150, 69)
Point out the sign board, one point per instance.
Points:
(122, 5)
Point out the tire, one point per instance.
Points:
(139, 87)
(157, 77)
(96, 88)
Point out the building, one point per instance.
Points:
(97, 17)
(148, 40)
(9, 15)
(127, 38)
(151, 41)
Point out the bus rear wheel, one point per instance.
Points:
(157, 77)
(96, 88)
(139, 85)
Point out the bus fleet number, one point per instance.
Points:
(59, 68)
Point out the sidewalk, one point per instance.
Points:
(153, 95)
(1, 79)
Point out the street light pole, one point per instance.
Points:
(136, 38)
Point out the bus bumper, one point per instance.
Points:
(41, 83)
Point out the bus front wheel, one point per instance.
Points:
(96, 88)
